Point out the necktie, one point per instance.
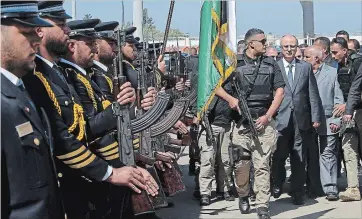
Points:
(59, 73)
(22, 88)
(290, 75)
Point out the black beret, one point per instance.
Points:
(53, 9)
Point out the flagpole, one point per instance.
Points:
(74, 10)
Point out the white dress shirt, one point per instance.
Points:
(286, 67)
(105, 68)
(74, 65)
(12, 78)
(45, 60)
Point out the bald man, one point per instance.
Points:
(298, 114)
(331, 95)
(272, 52)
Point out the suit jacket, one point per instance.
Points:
(302, 99)
(330, 94)
(28, 181)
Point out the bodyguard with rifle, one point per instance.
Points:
(254, 106)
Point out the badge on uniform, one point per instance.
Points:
(24, 129)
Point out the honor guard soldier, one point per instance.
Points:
(50, 88)
(257, 79)
(101, 71)
(29, 184)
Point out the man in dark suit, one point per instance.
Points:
(28, 180)
(298, 113)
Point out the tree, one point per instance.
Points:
(87, 17)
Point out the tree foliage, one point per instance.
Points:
(87, 17)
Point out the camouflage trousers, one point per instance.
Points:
(260, 156)
(212, 172)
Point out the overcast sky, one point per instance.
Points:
(277, 17)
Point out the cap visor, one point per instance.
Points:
(132, 41)
(33, 22)
(59, 16)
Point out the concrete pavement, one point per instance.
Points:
(187, 207)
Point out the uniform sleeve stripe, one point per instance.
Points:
(111, 146)
(110, 152)
(84, 163)
(135, 141)
(112, 157)
(73, 153)
(78, 158)
(136, 146)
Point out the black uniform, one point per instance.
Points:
(103, 80)
(354, 96)
(29, 184)
(347, 72)
(73, 130)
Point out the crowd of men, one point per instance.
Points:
(304, 103)
(78, 141)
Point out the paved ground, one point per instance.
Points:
(186, 207)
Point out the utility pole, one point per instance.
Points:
(138, 18)
(74, 10)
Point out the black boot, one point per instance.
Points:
(263, 213)
(244, 205)
(205, 200)
(228, 196)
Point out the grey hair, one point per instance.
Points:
(252, 32)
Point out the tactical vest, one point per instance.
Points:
(346, 76)
(261, 95)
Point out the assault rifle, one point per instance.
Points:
(141, 202)
(146, 153)
(245, 111)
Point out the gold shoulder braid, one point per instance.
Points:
(89, 89)
(49, 91)
(77, 109)
(110, 83)
(127, 62)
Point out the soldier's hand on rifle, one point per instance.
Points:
(127, 94)
(149, 98)
(160, 164)
(334, 128)
(181, 127)
(128, 176)
(234, 104)
(339, 109)
(188, 83)
(347, 118)
(180, 85)
(150, 182)
(161, 65)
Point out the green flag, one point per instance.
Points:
(217, 50)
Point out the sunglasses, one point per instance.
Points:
(263, 41)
